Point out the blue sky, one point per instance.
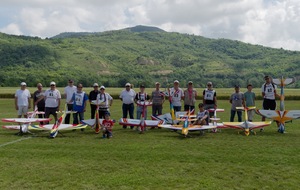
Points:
(272, 23)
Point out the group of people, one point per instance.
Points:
(49, 101)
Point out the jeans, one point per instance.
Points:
(139, 112)
(239, 114)
(127, 108)
(67, 118)
(75, 117)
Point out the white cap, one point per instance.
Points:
(209, 83)
(95, 84)
(102, 87)
(157, 83)
(52, 83)
(23, 84)
(176, 81)
(128, 84)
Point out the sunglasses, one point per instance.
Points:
(52, 85)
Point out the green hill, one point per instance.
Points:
(140, 54)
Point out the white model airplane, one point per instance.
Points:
(95, 123)
(246, 125)
(24, 123)
(281, 116)
(141, 123)
(188, 126)
(58, 125)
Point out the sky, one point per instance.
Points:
(271, 23)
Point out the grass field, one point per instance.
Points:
(158, 159)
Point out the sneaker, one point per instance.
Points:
(131, 127)
(82, 129)
(124, 127)
(262, 129)
(103, 136)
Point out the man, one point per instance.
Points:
(107, 102)
(79, 99)
(268, 92)
(38, 100)
(141, 96)
(237, 100)
(127, 97)
(22, 100)
(93, 96)
(52, 101)
(177, 95)
(157, 98)
(209, 98)
(68, 93)
(190, 95)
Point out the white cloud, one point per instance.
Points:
(266, 22)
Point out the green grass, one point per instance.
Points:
(158, 159)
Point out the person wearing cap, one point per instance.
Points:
(22, 100)
(93, 96)
(38, 100)
(52, 101)
(209, 98)
(68, 93)
(107, 125)
(107, 102)
(269, 93)
(157, 99)
(190, 95)
(177, 95)
(141, 96)
(127, 97)
(78, 100)
(237, 100)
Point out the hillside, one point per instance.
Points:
(140, 54)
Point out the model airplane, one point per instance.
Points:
(141, 123)
(281, 116)
(246, 125)
(95, 123)
(188, 126)
(24, 123)
(58, 125)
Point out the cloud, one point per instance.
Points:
(266, 22)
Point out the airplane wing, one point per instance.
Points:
(167, 126)
(137, 122)
(190, 128)
(283, 82)
(91, 122)
(280, 116)
(25, 120)
(13, 127)
(247, 124)
(49, 127)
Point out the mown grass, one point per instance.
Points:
(158, 159)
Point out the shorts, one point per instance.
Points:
(22, 110)
(269, 104)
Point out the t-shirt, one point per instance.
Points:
(249, 97)
(190, 97)
(269, 90)
(22, 96)
(108, 124)
(208, 96)
(127, 96)
(157, 97)
(176, 96)
(106, 97)
(51, 98)
(79, 99)
(37, 95)
(202, 114)
(237, 100)
(69, 91)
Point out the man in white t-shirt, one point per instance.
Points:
(52, 101)
(127, 97)
(22, 100)
(68, 93)
(177, 95)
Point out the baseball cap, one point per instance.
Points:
(71, 81)
(176, 81)
(236, 86)
(95, 85)
(52, 83)
(128, 84)
(157, 83)
(102, 87)
(190, 82)
(209, 83)
(142, 86)
(23, 84)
